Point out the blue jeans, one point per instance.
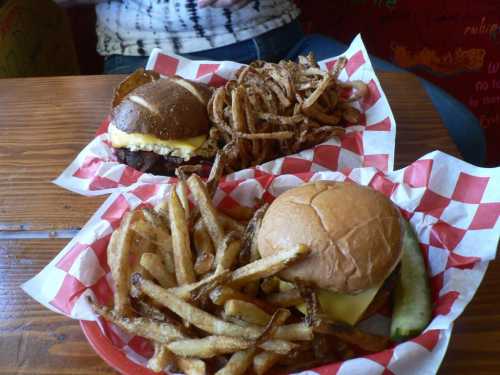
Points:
(288, 42)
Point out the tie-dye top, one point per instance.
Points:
(135, 27)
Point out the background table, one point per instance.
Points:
(44, 123)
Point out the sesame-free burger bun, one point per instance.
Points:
(353, 231)
(170, 108)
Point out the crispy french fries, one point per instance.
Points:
(287, 298)
(203, 263)
(227, 252)
(289, 332)
(207, 210)
(246, 311)
(154, 228)
(268, 266)
(198, 317)
(208, 347)
(230, 224)
(162, 208)
(201, 239)
(215, 173)
(211, 346)
(278, 346)
(154, 265)
(191, 366)
(183, 258)
(148, 328)
(204, 248)
(182, 192)
(118, 259)
(313, 308)
(263, 361)
(354, 336)
(249, 252)
(220, 295)
(162, 296)
(295, 332)
(160, 359)
(204, 286)
(278, 319)
(238, 363)
(190, 313)
(148, 311)
(270, 285)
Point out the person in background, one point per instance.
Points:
(241, 31)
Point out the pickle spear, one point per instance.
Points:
(412, 298)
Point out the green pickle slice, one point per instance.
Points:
(412, 298)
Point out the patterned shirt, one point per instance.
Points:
(135, 27)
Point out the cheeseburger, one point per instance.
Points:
(355, 235)
(162, 125)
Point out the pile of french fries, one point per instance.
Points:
(271, 110)
(190, 279)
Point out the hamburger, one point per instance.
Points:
(162, 125)
(355, 235)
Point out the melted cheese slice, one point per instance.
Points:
(347, 308)
(143, 142)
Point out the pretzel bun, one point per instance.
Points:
(170, 108)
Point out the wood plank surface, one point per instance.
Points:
(33, 339)
(45, 122)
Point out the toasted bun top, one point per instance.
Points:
(354, 234)
(171, 108)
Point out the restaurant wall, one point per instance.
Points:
(452, 43)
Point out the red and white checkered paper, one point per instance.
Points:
(96, 171)
(453, 206)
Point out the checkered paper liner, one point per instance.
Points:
(453, 206)
(96, 171)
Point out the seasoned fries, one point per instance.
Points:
(262, 362)
(118, 258)
(286, 298)
(227, 306)
(204, 248)
(238, 363)
(182, 192)
(151, 329)
(161, 358)
(190, 313)
(183, 258)
(152, 263)
(204, 286)
(208, 347)
(207, 210)
(279, 317)
(246, 311)
(227, 252)
(192, 366)
(268, 266)
(221, 294)
(249, 252)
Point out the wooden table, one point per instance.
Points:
(44, 123)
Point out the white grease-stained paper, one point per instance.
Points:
(453, 206)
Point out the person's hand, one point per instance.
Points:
(233, 4)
